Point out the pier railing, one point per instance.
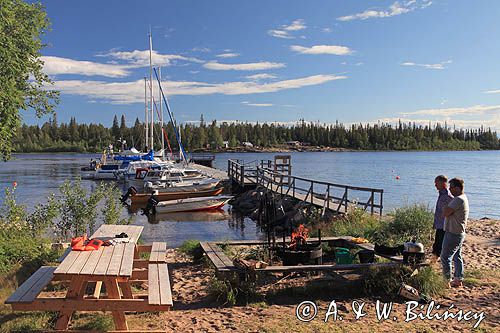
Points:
(331, 196)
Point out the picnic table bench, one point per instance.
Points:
(115, 267)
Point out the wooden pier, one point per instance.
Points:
(328, 196)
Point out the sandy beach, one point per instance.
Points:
(195, 311)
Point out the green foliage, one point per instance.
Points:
(64, 137)
(113, 207)
(406, 223)
(387, 280)
(429, 282)
(94, 322)
(78, 208)
(20, 239)
(26, 321)
(356, 223)
(230, 292)
(192, 248)
(22, 85)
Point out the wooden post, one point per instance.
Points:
(372, 201)
(281, 183)
(312, 192)
(381, 205)
(229, 168)
(242, 171)
(346, 200)
(328, 196)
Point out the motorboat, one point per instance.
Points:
(138, 200)
(189, 204)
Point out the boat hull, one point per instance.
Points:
(191, 204)
(142, 198)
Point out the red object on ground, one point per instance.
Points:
(398, 178)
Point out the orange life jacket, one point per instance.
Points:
(82, 243)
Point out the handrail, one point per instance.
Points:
(286, 184)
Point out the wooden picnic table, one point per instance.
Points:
(115, 267)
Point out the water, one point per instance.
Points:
(39, 175)
(416, 170)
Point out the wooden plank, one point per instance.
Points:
(114, 293)
(164, 279)
(222, 256)
(67, 262)
(89, 304)
(30, 289)
(103, 263)
(91, 263)
(116, 260)
(64, 255)
(80, 262)
(212, 256)
(74, 290)
(128, 260)
(158, 252)
(153, 285)
(304, 268)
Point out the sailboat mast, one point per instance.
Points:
(151, 85)
(161, 118)
(146, 111)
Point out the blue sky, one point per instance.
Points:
(352, 61)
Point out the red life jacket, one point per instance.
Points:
(83, 244)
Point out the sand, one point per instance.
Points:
(195, 311)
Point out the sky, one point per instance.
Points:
(278, 61)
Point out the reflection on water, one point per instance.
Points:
(39, 175)
(175, 228)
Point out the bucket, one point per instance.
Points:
(343, 256)
(366, 256)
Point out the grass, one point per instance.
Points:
(192, 248)
(93, 322)
(26, 321)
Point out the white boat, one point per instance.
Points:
(182, 186)
(191, 204)
(168, 175)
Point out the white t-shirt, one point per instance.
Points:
(456, 222)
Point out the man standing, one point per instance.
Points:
(456, 213)
(443, 200)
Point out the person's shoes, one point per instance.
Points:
(456, 283)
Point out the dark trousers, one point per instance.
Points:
(438, 242)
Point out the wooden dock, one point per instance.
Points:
(326, 195)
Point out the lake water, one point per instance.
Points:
(38, 175)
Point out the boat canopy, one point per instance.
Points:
(146, 157)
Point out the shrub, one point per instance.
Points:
(192, 248)
(356, 223)
(406, 223)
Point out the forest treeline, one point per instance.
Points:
(73, 137)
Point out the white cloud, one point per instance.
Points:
(201, 49)
(133, 92)
(295, 26)
(462, 117)
(447, 112)
(140, 58)
(256, 66)
(57, 65)
(227, 55)
(322, 49)
(397, 8)
(327, 30)
(257, 104)
(440, 65)
(280, 34)
(492, 91)
(284, 30)
(262, 76)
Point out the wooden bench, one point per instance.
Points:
(220, 260)
(159, 292)
(158, 252)
(32, 287)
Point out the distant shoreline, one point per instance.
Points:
(275, 150)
